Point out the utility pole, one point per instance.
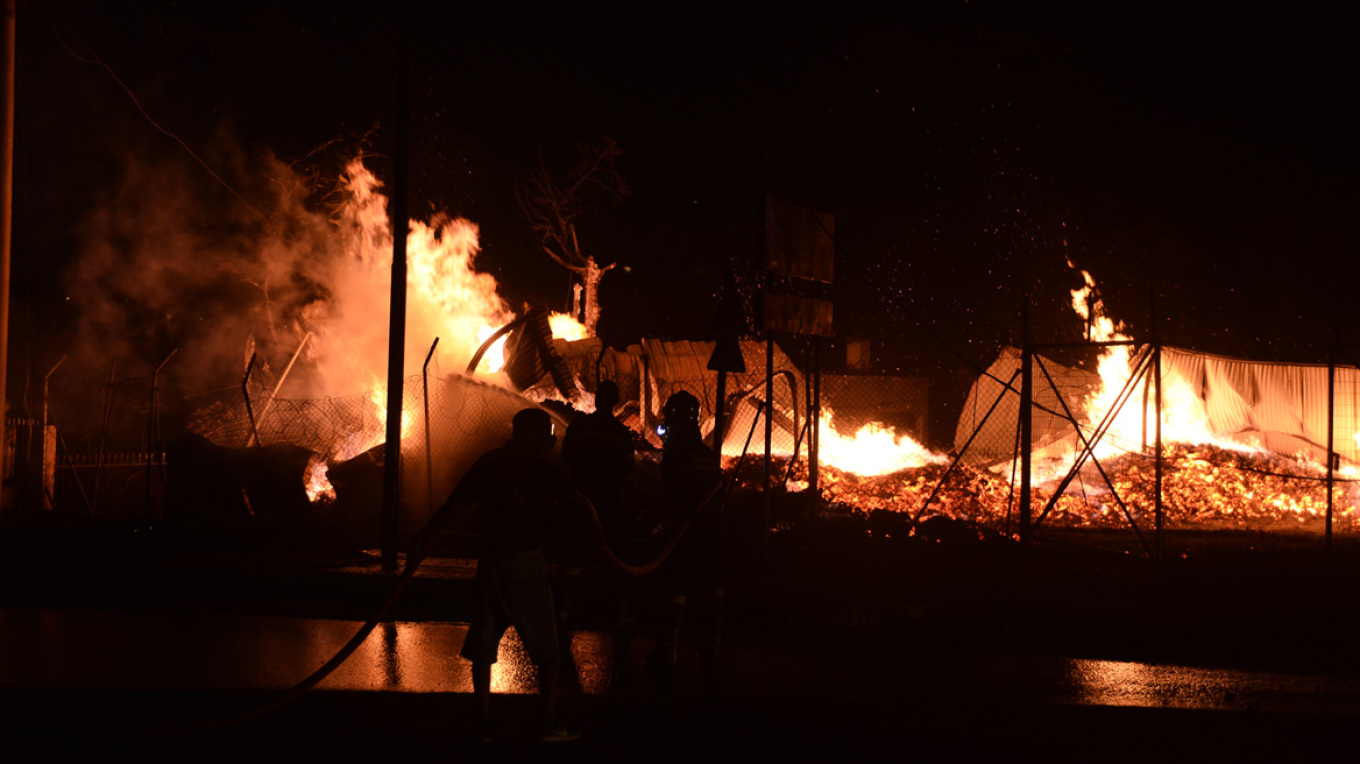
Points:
(396, 332)
(6, 214)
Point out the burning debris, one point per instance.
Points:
(319, 488)
(1211, 485)
(1225, 426)
(1203, 486)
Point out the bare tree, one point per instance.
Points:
(552, 205)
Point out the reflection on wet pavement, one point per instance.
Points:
(104, 650)
(1118, 683)
(94, 650)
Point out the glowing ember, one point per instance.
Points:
(317, 484)
(1203, 486)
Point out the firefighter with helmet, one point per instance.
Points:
(695, 571)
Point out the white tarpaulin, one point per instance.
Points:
(1281, 407)
(996, 437)
(1276, 406)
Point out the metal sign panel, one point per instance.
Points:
(798, 315)
(799, 241)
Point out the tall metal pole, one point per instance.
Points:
(396, 333)
(769, 431)
(1157, 469)
(1331, 444)
(6, 208)
(1158, 544)
(1026, 425)
(815, 425)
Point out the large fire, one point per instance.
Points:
(1183, 417)
(447, 298)
(1208, 478)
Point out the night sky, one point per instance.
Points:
(968, 150)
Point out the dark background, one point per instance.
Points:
(1195, 159)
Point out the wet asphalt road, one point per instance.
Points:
(88, 664)
(168, 652)
(80, 684)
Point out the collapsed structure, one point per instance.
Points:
(450, 420)
(1281, 408)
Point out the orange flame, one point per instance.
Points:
(1184, 419)
(874, 449)
(316, 482)
(565, 327)
(446, 296)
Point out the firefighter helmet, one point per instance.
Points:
(680, 409)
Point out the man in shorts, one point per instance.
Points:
(521, 492)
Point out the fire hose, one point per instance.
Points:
(408, 572)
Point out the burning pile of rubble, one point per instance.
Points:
(1202, 485)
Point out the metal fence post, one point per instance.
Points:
(815, 420)
(1026, 426)
(769, 434)
(429, 458)
(49, 471)
(103, 436)
(250, 412)
(1157, 469)
(1158, 541)
(1331, 444)
(152, 431)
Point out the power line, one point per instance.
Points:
(160, 127)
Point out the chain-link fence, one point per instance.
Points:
(1168, 438)
(97, 452)
(1258, 462)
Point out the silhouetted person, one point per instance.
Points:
(520, 490)
(598, 450)
(696, 568)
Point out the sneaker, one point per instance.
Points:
(559, 733)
